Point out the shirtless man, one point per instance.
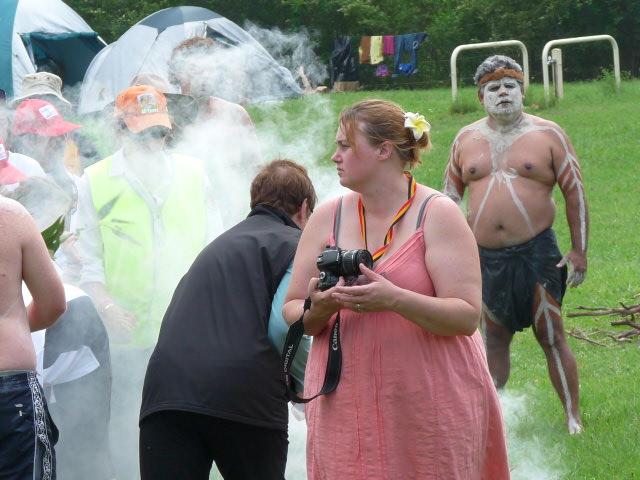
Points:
(511, 161)
(222, 135)
(27, 432)
(197, 66)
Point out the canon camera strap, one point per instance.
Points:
(334, 361)
(294, 335)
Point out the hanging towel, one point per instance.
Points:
(376, 50)
(388, 45)
(408, 43)
(365, 50)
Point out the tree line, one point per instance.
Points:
(447, 23)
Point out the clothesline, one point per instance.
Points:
(372, 51)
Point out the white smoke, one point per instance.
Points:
(297, 454)
(530, 457)
(306, 137)
(292, 51)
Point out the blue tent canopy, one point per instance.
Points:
(38, 35)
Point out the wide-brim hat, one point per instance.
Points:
(183, 109)
(38, 84)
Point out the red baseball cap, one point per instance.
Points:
(8, 173)
(41, 118)
(142, 107)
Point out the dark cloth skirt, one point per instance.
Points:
(510, 275)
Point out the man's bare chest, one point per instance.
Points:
(505, 159)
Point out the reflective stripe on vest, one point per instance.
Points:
(145, 255)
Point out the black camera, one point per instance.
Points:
(335, 262)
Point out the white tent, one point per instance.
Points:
(43, 34)
(147, 47)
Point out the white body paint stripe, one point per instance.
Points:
(572, 162)
(482, 203)
(520, 205)
(500, 143)
(545, 309)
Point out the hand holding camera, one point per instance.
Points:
(335, 262)
(373, 292)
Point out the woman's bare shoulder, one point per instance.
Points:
(440, 210)
(424, 191)
(318, 229)
(327, 208)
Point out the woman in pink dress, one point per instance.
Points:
(415, 399)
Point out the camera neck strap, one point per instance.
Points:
(334, 360)
(403, 209)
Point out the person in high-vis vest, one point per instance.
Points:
(143, 216)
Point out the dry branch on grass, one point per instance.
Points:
(581, 335)
(630, 315)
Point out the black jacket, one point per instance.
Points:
(214, 355)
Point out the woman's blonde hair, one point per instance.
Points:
(383, 121)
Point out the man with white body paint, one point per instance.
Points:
(510, 161)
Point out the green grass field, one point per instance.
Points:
(603, 126)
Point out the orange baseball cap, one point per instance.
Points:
(142, 107)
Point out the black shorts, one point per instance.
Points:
(510, 275)
(176, 444)
(27, 433)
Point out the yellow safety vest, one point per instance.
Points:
(145, 257)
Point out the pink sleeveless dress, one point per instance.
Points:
(410, 404)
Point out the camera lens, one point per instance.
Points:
(351, 260)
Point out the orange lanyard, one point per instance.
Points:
(389, 236)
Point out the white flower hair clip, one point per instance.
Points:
(417, 123)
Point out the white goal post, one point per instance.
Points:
(565, 41)
(474, 46)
